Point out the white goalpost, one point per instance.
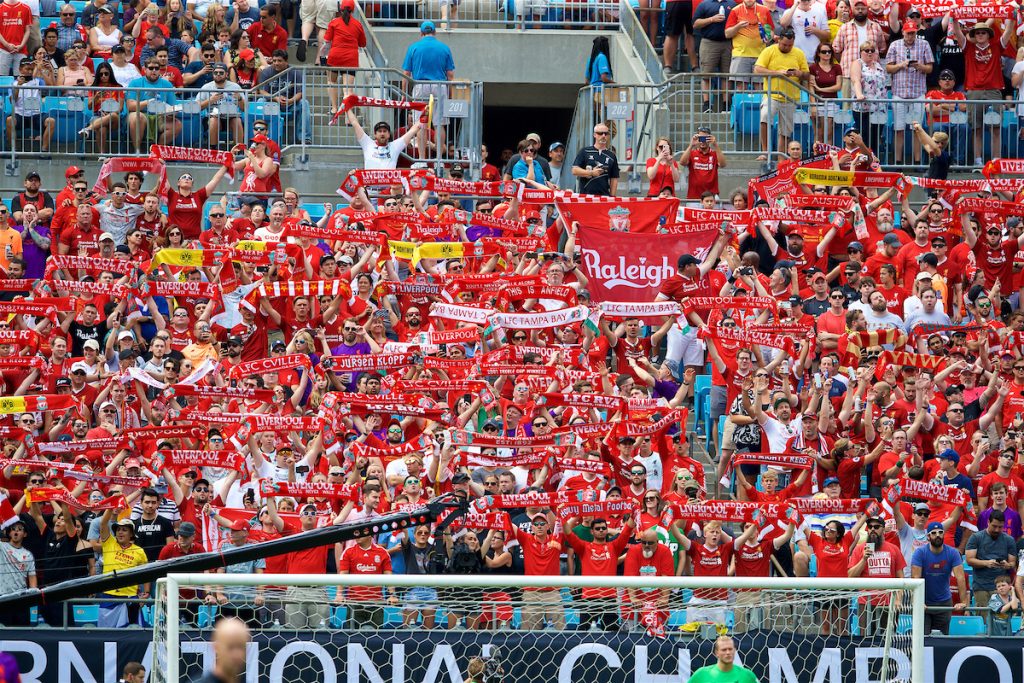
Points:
(526, 629)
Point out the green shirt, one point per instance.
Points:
(712, 674)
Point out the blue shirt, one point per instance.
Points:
(708, 9)
(935, 570)
(598, 67)
(142, 89)
(428, 59)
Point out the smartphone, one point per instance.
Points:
(703, 139)
(817, 380)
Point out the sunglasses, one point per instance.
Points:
(201, 489)
(868, 50)
(649, 498)
(540, 523)
(648, 543)
(540, 424)
(921, 512)
(601, 132)
(599, 528)
(875, 526)
(259, 129)
(216, 215)
(837, 297)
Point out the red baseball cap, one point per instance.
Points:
(910, 26)
(239, 525)
(72, 171)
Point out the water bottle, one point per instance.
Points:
(807, 26)
(721, 10)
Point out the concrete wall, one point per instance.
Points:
(512, 56)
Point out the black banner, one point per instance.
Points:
(97, 656)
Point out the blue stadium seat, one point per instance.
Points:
(967, 626)
(86, 615)
(339, 615)
(392, 617)
(70, 115)
(676, 618)
(721, 428)
(904, 623)
(701, 390)
(745, 115)
(33, 616)
(207, 616)
(147, 616)
(1014, 624)
(193, 133)
(79, 5)
(315, 210)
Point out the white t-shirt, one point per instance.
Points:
(125, 74)
(380, 158)
(779, 434)
(813, 18)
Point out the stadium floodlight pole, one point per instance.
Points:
(228, 554)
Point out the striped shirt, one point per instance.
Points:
(909, 83)
(847, 44)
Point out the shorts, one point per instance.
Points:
(421, 92)
(827, 108)
(685, 349)
(715, 56)
(319, 12)
(906, 111)
(976, 112)
(719, 394)
(785, 112)
(727, 432)
(742, 66)
(679, 18)
(420, 598)
(28, 124)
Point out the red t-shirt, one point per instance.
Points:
(1014, 487)
(186, 212)
(996, 263)
(982, 67)
(710, 562)
(662, 178)
(703, 173)
(753, 560)
(267, 41)
(887, 562)
(540, 559)
(14, 21)
(833, 558)
(372, 560)
(598, 559)
(345, 40)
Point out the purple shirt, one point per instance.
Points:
(35, 258)
(1012, 525)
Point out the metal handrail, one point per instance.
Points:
(637, 36)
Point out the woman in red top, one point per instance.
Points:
(256, 167)
(185, 207)
(663, 170)
(341, 45)
(827, 78)
(832, 551)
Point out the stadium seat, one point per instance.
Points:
(315, 211)
(207, 616)
(745, 115)
(701, 390)
(269, 112)
(676, 618)
(79, 5)
(904, 624)
(193, 133)
(339, 615)
(70, 115)
(86, 615)
(967, 626)
(146, 613)
(392, 617)
(1014, 624)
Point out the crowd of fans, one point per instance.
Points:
(887, 67)
(182, 375)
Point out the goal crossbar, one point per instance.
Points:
(171, 586)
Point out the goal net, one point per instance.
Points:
(516, 629)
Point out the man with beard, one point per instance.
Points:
(934, 563)
(879, 317)
(876, 558)
(231, 352)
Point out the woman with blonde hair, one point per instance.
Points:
(870, 83)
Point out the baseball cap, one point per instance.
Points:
(106, 237)
(80, 366)
(460, 478)
(938, 239)
(348, 4)
(124, 522)
(381, 124)
(247, 54)
(910, 27)
(533, 136)
(427, 27)
(950, 454)
(62, 383)
(796, 301)
(187, 529)
(830, 481)
(91, 344)
(855, 246)
(239, 525)
(234, 340)
(132, 462)
(106, 9)
(935, 526)
(32, 174)
(923, 276)
(555, 145)
(922, 507)
(891, 239)
(853, 129)
(278, 344)
(259, 139)
(72, 171)
(946, 73)
(125, 334)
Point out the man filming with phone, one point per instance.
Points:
(991, 552)
(876, 559)
(702, 158)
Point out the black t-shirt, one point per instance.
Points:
(42, 200)
(592, 157)
(417, 560)
(80, 334)
(948, 54)
(152, 535)
(61, 561)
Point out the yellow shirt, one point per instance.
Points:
(116, 558)
(748, 42)
(775, 60)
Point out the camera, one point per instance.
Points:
(746, 271)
